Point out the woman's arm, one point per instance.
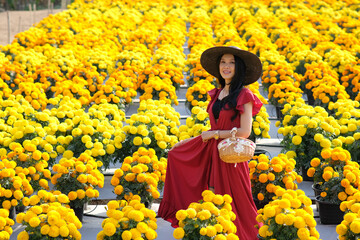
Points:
(244, 131)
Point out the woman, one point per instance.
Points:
(194, 164)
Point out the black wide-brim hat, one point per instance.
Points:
(209, 61)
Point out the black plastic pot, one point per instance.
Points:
(316, 188)
(12, 213)
(329, 213)
(79, 212)
(279, 114)
(311, 100)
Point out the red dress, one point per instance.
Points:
(194, 166)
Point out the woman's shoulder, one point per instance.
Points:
(245, 92)
(213, 92)
(245, 96)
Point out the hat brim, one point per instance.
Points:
(252, 62)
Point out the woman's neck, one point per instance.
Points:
(227, 88)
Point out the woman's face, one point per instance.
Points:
(227, 67)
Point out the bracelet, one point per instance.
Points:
(216, 136)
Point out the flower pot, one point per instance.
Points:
(12, 213)
(279, 114)
(188, 107)
(20, 209)
(148, 204)
(329, 213)
(79, 212)
(317, 191)
(49, 94)
(310, 97)
(305, 176)
(316, 188)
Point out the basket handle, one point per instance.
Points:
(233, 133)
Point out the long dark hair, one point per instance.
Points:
(236, 84)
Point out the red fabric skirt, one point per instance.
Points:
(195, 166)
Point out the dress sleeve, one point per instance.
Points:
(212, 94)
(245, 96)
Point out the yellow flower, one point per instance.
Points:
(284, 203)
(90, 193)
(162, 144)
(45, 229)
(80, 193)
(34, 222)
(64, 231)
(303, 233)
(218, 199)
(227, 198)
(136, 215)
(296, 140)
(23, 236)
(68, 154)
(137, 141)
(53, 219)
(54, 231)
(260, 196)
(179, 233)
(263, 230)
(315, 162)
(341, 229)
(342, 196)
(289, 219)
(142, 227)
(325, 143)
(203, 231)
(211, 231)
(269, 212)
(311, 172)
(263, 178)
(181, 215)
(350, 217)
(82, 178)
(34, 200)
(113, 204)
(263, 166)
(279, 218)
(118, 189)
(191, 213)
(147, 140)
(109, 229)
(126, 235)
(355, 227)
(327, 175)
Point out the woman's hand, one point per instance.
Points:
(180, 143)
(207, 135)
(176, 145)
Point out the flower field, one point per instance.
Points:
(66, 84)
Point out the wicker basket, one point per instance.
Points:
(236, 149)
